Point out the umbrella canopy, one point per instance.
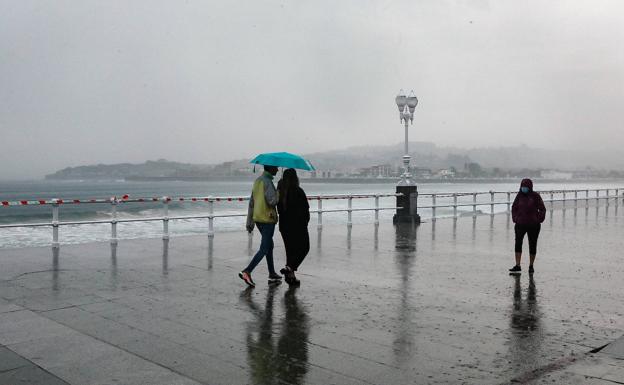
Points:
(283, 159)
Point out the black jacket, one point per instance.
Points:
(294, 213)
(528, 209)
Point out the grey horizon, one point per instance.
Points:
(89, 82)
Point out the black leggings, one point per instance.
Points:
(297, 243)
(532, 232)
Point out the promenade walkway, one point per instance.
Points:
(426, 305)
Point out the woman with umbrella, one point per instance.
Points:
(294, 214)
(262, 211)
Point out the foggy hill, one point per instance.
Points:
(426, 155)
(431, 156)
(158, 168)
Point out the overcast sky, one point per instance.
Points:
(84, 82)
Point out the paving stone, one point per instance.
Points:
(29, 375)
(69, 349)
(615, 349)
(120, 368)
(10, 360)
(432, 304)
(7, 307)
(21, 326)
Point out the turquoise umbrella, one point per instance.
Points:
(283, 159)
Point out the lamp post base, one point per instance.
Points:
(408, 203)
(413, 219)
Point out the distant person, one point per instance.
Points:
(263, 214)
(528, 212)
(294, 213)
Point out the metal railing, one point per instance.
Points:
(165, 218)
(454, 201)
(548, 196)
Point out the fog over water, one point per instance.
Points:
(86, 82)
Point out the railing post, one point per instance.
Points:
(320, 214)
(55, 224)
(376, 209)
(433, 207)
(617, 196)
(575, 198)
(349, 212)
(508, 201)
(491, 202)
(607, 198)
(597, 197)
(586, 198)
(454, 205)
(552, 202)
(165, 201)
(113, 202)
(564, 199)
(474, 204)
(211, 217)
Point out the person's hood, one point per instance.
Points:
(527, 183)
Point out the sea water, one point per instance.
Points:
(89, 189)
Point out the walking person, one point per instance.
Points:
(294, 213)
(527, 212)
(263, 214)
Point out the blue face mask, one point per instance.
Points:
(524, 189)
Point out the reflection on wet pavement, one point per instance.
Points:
(392, 305)
(376, 238)
(526, 330)
(165, 257)
(211, 250)
(55, 268)
(113, 266)
(277, 349)
(405, 243)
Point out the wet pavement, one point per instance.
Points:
(426, 305)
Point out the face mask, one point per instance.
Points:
(524, 189)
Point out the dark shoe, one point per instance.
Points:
(515, 270)
(245, 276)
(288, 274)
(275, 278)
(531, 270)
(292, 280)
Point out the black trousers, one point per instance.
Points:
(297, 243)
(532, 231)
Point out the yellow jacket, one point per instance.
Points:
(263, 201)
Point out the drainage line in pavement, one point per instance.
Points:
(599, 348)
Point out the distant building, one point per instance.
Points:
(382, 170)
(377, 171)
(553, 174)
(320, 174)
(420, 172)
(445, 173)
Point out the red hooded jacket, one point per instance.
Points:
(528, 209)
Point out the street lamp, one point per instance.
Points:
(407, 192)
(407, 105)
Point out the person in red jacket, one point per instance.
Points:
(528, 212)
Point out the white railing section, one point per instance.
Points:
(449, 200)
(114, 202)
(550, 197)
